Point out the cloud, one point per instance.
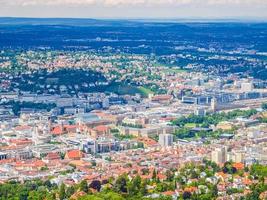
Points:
(132, 2)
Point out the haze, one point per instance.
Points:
(248, 9)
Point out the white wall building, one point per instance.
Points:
(166, 140)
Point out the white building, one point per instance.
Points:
(166, 140)
(247, 87)
(219, 155)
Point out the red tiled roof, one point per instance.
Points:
(38, 163)
(162, 98)
(239, 166)
(190, 189)
(101, 128)
(247, 181)
(169, 193)
(147, 141)
(70, 126)
(161, 176)
(52, 156)
(22, 128)
(20, 141)
(74, 154)
(223, 175)
(57, 130)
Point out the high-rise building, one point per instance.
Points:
(166, 140)
(219, 155)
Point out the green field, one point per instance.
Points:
(145, 91)
(128, 89)
(174, 70)
(190, 125)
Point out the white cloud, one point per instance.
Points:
(132, 2)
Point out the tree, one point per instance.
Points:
(187, 195)
(51, 196)
(48, 184)
(111, 196)
(143, 189)
(154, 175)
(93, 163)
(62, 191)
(169, 175)
(145, 171)
(121, 183)
(264, 106)
(95, 184)
(70, 191)
(137, 181)
(84, 186)
(134, 185)
(62, 155)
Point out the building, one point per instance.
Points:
(165, 140)
(200, 112)
(162, 98)
(74, 154)
(189, 100)
(150, 131)
(247, 86)
(3, 156)
(219, 155)
(101, 145)
(213, 105)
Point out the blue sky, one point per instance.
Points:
(135, 8)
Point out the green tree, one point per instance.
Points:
(84, 186)
(264, 106)
(134, 185)
(154, 175)
(70, 191)
(143, 188)
(95, 184)
(121, 183)
(169, 175)
(62, 191)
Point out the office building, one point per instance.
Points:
(166, 140)
(219, 155)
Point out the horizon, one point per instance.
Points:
(141, 19)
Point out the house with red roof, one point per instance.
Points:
(162, 98)
(173, 194)
(239, 166)
(74, 155)
(51, 156)
(58, 130)
(100, 130)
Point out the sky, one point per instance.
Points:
(157, 9)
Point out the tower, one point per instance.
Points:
(213, 104)
(219, 155)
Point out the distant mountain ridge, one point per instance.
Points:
(56, 21)
(114, 22)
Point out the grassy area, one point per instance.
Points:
(128, 89)
(174, 70)
(123, 89)
(123, 137)
(170, 68)
(190, 125)
(145, 91)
